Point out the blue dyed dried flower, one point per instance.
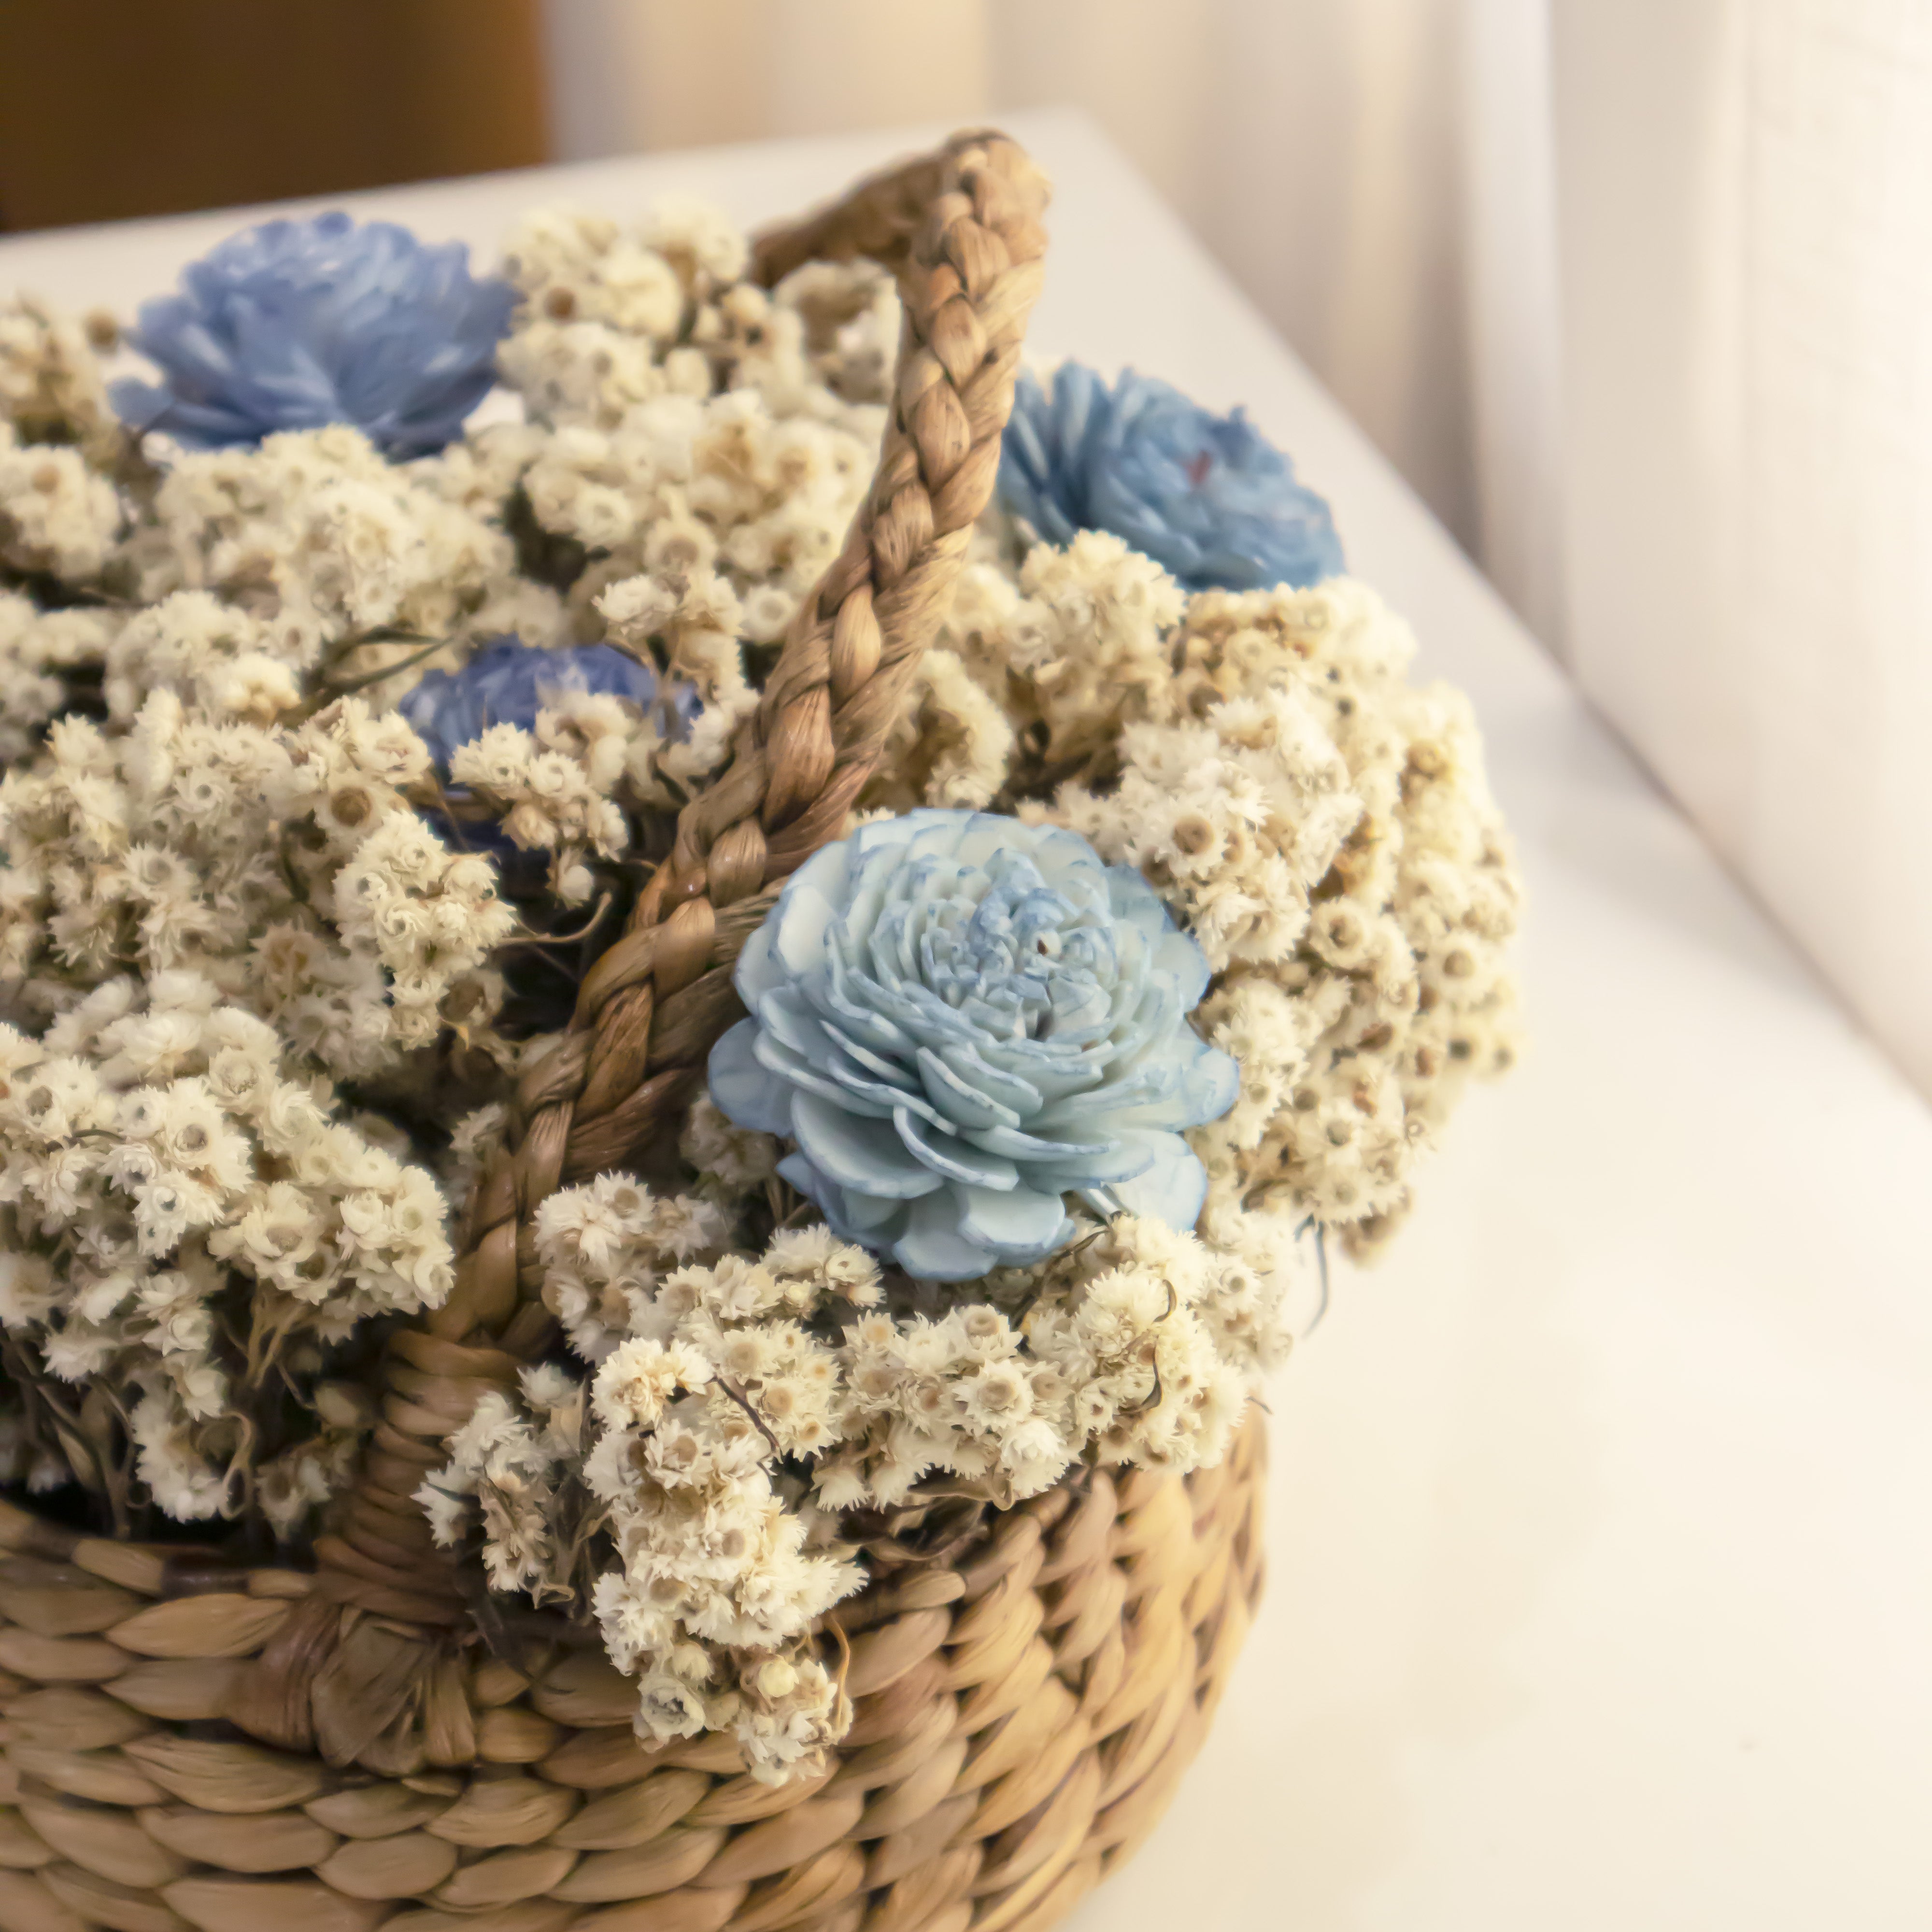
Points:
(1207, 497)
(508, 682)
(959, 1018)
(295, 324)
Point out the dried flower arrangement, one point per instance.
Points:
(345, 723)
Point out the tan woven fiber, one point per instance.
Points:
(1022, 1715)
(266, 1750)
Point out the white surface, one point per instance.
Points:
(1601, 1580)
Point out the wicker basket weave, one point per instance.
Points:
(275, 1751)
(1022, 1716)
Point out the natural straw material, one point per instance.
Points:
(1022, 1714)
(1023, 1702)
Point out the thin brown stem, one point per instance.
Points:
(583, 931)
(332, 689)
(744, 1401)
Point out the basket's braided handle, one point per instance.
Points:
(961, 230)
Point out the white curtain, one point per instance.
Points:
(1637, 294)
(1746, 216)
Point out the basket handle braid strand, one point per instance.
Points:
(369, 1671)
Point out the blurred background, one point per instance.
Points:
(1636, 295)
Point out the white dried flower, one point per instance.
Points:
(55, 514)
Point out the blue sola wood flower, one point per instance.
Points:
(960, 1019)
(509, 683)
(1207, 497)
(293, 325)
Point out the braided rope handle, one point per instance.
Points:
(961, 230)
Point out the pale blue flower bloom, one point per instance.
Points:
(1209, 498)
(960, 1018)
(295, 324)
(509, 683)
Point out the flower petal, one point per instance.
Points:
(946, 1154)
(962, 1105)
(1018, 1146)
(1186, 1083)
(1179, 960)
(1022, 1226)
(866, 1156)
(863, 1218)
(749, 1095)
(776, 1057)
(981, 1071)
(853, 1001)
(1208, 497)
(806, 908)
(877, 1093)
(787, 1017)
(1172, 1189)
(933, 1249)
(1124, 1153)
(895, 1072)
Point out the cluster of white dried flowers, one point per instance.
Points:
(690, 451)
(248, 924)
(162, 1176)
(662, 1488)
(696, 1480)
(51, 390)
(281, 862)
(1322, 827)
(701, 443)
(183, 803)
(56, 514)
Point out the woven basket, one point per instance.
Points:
(275, 1751)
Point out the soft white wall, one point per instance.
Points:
(1746, 229)
(1512, 299)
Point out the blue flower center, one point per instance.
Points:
(1015, 957)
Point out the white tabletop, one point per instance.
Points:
(1600, 1589)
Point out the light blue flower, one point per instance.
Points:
(295, 324)
(508, 682)
(1207, 497)
(960, 1018)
